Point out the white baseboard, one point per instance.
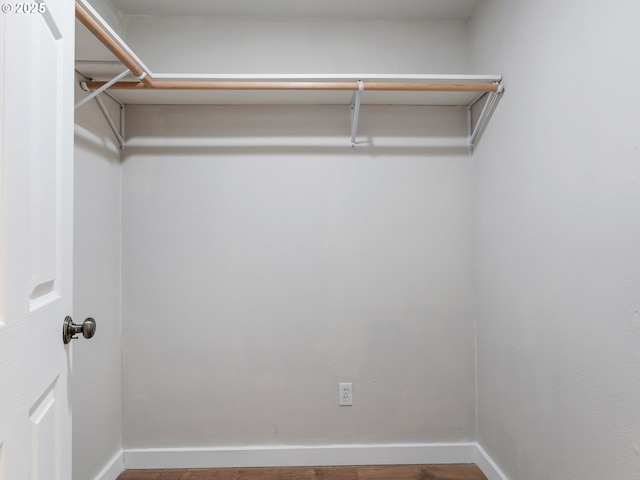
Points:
(321, 455)
(114, 468)
(487, 465)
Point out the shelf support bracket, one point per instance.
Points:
(355, 112)
(118, 133)
(489, 105)
(101, 89)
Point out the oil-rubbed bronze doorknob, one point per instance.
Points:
(70, 329)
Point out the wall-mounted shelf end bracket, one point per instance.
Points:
(119, 133)
(487, 109)
(355, 112)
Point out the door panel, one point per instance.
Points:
(36, 142)
(43, 191)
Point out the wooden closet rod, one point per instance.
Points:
(302, 85)
(147, 82)
(96, 29)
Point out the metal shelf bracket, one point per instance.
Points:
(355, 112)
(487, 109)
(118, 133)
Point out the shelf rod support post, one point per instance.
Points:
(98, 91)
(355, 112)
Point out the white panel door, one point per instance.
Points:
(36, 172)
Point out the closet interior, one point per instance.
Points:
(410, 196)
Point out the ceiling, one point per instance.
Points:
(387, 9)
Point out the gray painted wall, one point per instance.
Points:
(293, 262)
(297, 45)
(258, 276)
(558, 228)
(97, 363)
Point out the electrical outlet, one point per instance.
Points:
(345, 392)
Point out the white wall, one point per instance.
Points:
(297, 45)
(558, 229)
(259, 275)
(97, 363)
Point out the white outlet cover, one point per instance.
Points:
(345, 394)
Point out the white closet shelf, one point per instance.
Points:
(138, 85)
(458, 90)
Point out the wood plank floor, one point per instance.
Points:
(377, 472)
